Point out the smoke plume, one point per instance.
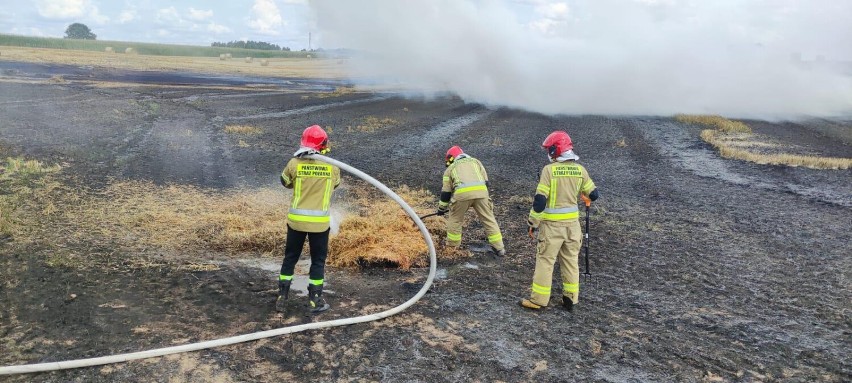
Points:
(773, 59)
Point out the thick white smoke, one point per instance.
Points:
(646, 57)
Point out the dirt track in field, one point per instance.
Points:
(704, 269)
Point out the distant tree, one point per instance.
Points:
(250, 45)
(79, 31)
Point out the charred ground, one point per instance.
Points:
(704, 269)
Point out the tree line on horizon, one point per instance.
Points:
(81, 31)
(250, 45)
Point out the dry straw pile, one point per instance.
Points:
(735, 140)
(378, 231)
(242, 129)
(720, 123)
(185, 218)
(25, 186)
(337, 92)
(134, 220)
(734, 146)
(189, 219)
(371, 124)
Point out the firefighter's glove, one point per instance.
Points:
(533, 231)
(443, 210)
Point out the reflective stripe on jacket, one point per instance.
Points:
(561, 183)
(312, 182)
(465, 178)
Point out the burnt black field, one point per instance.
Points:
(704, 269)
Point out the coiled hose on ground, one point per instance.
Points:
(53, 366)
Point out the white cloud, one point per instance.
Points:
(656, 2)
(168, 15)
(126, 16)
(556, 11)
(200, 14)
(545, 26)
(62, 9)
(552, 17)
(266, 18)
(217, 28)
(96, 15)
(81, 10)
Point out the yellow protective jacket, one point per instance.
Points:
(561, 183)
(465, 178)
(312, 182)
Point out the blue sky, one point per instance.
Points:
(196, 22)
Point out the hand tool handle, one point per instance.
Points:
(428, 215)
(586, 234)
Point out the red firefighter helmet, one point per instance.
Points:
(557, 143)
(452, 153)
(315, 138)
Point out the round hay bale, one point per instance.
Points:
(130, 51)
(109, 50)
(264, 62)
(227, 55)
(248, 59)
(222, 56)
(309, 56)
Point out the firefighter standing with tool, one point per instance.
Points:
(555, 218)
(312, 182)
(465, 185)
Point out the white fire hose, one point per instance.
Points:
(53, 366)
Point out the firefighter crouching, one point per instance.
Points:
(312, 182)
(465, 185)
(555, 218)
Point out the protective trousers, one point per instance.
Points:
(318, 243)
(563, 240)
(484, 208)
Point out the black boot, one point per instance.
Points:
(317, 303)
(283, 294)
(567, 303)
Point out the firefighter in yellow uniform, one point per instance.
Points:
(465, 185)
(555, 218)
(312, 182)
